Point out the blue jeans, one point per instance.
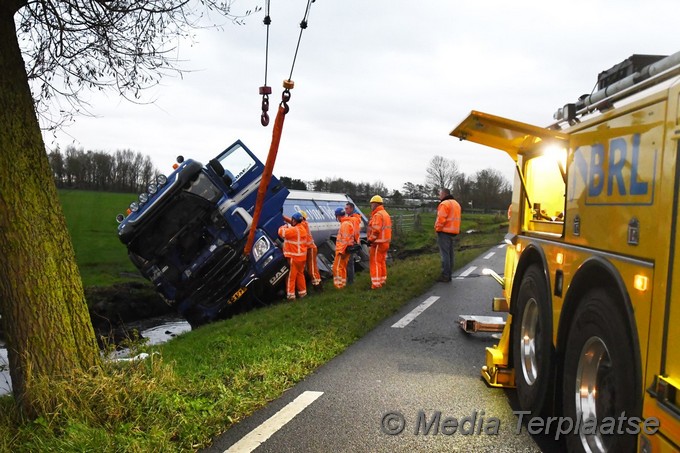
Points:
(446, 241)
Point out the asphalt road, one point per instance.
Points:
(398, 377)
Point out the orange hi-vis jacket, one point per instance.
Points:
(356, 221)
(380, 226)
(310, 239)
(448, 217)
(295, 241)
(345, 235)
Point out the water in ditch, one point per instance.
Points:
(156, 331)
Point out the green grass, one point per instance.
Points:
(478, 231)
(203, 381)
(91, 220)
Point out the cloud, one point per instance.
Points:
(380, 84)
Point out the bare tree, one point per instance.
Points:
(378, 188)
(57, 163)
(441, 172)
(491, 189)
(65, 46)
(462, 189)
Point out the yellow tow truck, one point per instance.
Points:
(593, 252)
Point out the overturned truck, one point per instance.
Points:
(187, 234)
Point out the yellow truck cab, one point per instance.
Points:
(593, 249)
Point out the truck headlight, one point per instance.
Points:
(134, 206)
(143, 197)
(161, 180)
(260, 248)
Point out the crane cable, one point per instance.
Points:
(276, 133)
(265, 90)
(303, 26)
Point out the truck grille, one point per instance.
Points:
(218, 278)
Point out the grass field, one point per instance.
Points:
(477, 231)
(91, 220)
(203, 381)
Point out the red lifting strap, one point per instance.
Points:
(266, 176)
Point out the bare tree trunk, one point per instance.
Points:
(41, 296)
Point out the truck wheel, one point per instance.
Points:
(601, 376)
(532, 341)
(363, 255)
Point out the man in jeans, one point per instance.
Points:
(447, 227)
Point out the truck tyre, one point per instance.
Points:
(532, 348)
(363, 255)
(601, 376)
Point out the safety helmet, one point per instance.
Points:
(297, 217)
(304, 214)
(376, 199)
(339, 212)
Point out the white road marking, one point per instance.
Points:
(259, 435)
(467, 272)
(502, 246)
(489, 255)
(403, 322)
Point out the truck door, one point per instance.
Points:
(668, 384)
(243, 172)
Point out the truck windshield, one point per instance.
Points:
(237, 161)
(177, 231)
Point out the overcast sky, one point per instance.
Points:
(379, 84)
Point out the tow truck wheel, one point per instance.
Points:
(600, 376)
(532, 341)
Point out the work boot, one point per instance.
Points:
(317, 288)
(444, 279)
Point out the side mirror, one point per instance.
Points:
(217, 167)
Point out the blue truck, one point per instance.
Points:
(187, 232)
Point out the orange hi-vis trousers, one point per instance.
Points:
(340, 269)
(312, 266)
(296, 279)
(377, 260)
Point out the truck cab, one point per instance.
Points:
(187, 234)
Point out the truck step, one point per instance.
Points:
(472, 324)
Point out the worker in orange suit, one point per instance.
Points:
(379, 237)
(312, 266)
(344, 240)
(356, 220)
(447, 227)
(295, 249)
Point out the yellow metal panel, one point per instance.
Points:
(615, 183)
(669, 427)
(510, 136)
(667, 312)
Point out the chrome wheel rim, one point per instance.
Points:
(591, 392)
(527, 348)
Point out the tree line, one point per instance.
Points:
(122, 171)
(486, 189)
(359, 192)
(130, 171)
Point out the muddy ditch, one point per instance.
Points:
(119, 310)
